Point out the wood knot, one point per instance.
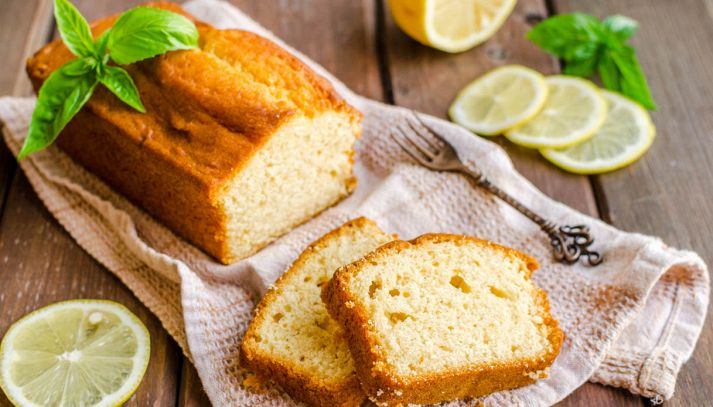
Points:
(533, 18)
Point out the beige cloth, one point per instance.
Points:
(630, 322)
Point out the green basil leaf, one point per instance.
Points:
(569, 36)
(620, 27)
(80, 66)
(119, 82)
(73, 28)
(608, 72)
(61, 96)
(632, 82)
(145, 32)
(580, 67)
(100, 45)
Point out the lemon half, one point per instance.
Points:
(74, 353)
(625, 136)
(574, 110)
(448, 25)
(502, 98)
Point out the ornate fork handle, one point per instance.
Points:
(569, 243)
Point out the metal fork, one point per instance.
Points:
(423, 144)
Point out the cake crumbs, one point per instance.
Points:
(254, 383)
(540, 374)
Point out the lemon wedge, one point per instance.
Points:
(451, 26)
(74, 353)
(502, 98)
(574, 110)
(627, 133)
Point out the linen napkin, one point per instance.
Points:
(630, 322)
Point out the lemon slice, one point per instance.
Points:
(502, 98)
(574, 110)
(74, 353)
(625, 136)
(448, 25)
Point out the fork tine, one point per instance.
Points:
(424, 128)
(411, 151)
(414, 142)
(424, 136)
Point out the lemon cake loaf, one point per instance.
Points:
(443, 317)
(292, 340)
(241, 142)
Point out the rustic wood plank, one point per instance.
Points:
(24, 26)
(190, 392)
(428, 80)
(339, 36)
(41, 264)
(668, 193)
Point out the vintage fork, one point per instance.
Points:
(423, 144)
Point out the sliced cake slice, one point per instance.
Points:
(443, 317)
(292, 340)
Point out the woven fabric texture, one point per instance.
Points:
(630, 322)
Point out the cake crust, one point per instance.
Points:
(384, 386)
(299, 384)
(197, 135)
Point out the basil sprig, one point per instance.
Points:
(138, 34)
(589, 46)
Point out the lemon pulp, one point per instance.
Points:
(625, 136)
(573, 112)
(451, 25)
(74, 353)
(502, 98)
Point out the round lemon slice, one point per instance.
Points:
(74, 353)
(502, 98)
(625, 136)
(574, 110)
(451, 26)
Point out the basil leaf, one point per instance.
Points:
(620, 27)
(80, 66)
(119, 82)
(569, 36)
(608, 72)
(581, 67)
(61, 96)
(632, 81)
(100, 46)
(145, 32)
(73, 28)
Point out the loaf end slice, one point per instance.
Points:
(292, 340)
(443, 317)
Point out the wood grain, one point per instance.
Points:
(41, 264)
(428, 80)
(17, 42)
(668, 193)
(190, 391)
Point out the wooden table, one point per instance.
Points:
(668, 193)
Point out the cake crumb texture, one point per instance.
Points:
(443, 317)
(292, 340)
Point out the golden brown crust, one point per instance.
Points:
(197, 134)
(299, 384)
(385, 387)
